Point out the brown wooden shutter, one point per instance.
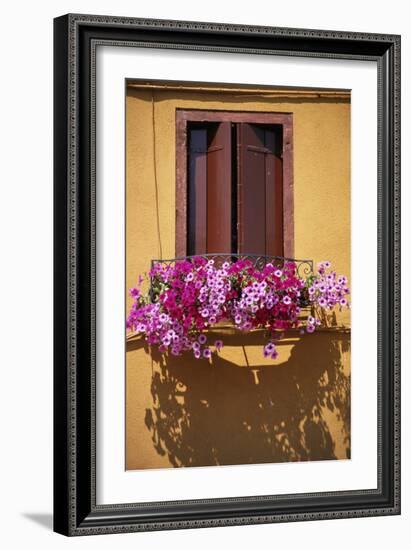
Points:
(219, 158)
(260, 190)
(209, 189)
(197, 192)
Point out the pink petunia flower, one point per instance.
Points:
(218, 344)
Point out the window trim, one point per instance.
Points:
(183, 117)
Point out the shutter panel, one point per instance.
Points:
(274, 194)
(197, 192)
(219, 175)
(209, 189)
(260, 194)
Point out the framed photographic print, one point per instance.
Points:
(227, 280)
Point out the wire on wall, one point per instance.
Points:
(160, 248)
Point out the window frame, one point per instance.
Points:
(186, 116)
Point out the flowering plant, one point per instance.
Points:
(191, 296)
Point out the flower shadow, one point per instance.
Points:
(220, 413)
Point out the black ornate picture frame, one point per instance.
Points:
(76, 38)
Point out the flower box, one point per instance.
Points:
(189, 296)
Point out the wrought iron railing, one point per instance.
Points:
(304, 268)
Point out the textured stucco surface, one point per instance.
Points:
(155, 436)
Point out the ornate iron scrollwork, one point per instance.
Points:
(304, 268)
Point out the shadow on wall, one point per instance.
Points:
(219, 414)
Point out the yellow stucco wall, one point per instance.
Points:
(155, 437)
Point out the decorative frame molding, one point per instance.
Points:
(75, 42)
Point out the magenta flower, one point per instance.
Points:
(134, 292)
(192, 296)
(269, 348)
(218, 345)
(270, 351)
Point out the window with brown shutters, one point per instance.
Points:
(234, 194)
